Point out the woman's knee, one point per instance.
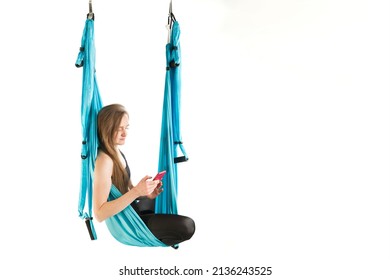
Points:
(188, 226)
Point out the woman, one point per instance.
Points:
(111, 168)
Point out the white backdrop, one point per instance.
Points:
(285, 118)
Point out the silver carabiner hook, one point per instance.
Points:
(90, 14)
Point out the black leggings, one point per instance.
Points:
(169, 229)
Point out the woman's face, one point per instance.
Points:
(120, 137)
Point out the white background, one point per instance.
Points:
(285, 118)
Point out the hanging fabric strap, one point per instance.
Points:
(173, 80)
(170, 137)
(174, 58)
(90, 105)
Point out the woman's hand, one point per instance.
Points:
(156, 191)
(146, 187)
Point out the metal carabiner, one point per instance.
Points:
(90, 15)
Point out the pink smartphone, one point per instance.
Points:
(159, 175)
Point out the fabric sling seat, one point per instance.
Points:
(128, 228)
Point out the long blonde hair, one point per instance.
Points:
(108, 122)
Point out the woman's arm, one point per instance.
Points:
(104, 209)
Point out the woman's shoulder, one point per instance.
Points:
(103, 158)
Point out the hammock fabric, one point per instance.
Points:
(126, 227)
(90, 105)
(170, 137)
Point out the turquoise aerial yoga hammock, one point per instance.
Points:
(170, 138)
(127, 227)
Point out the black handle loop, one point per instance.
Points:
(88, 222)
(180, 159)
